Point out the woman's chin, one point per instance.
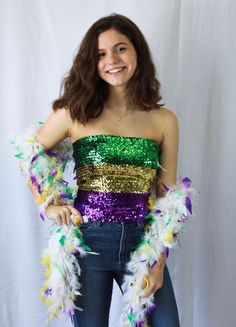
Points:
(117, 83)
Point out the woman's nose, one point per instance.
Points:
(112, 58)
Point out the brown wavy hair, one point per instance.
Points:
(84, 93)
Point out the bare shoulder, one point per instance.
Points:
(61, 115)
(165, 115)
(165, 119)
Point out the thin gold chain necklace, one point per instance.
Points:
(120, 117)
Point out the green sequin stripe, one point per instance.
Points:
(96, 149)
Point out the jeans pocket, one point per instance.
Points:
(87, 225)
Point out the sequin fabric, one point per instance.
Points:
(114, 176)
(110, 177)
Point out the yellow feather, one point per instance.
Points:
(30, 140)
(169, 236)
(151, 202)
(41, 199)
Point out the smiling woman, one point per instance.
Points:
(110, 42)
(125, 148)
(117, 58)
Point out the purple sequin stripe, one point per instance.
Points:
(112, 207)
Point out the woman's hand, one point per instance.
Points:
(154, 280)
(62, 214)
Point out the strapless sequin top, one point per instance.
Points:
(115, 175)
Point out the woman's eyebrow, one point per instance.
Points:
(119, 43)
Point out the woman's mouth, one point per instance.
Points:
(115, 70)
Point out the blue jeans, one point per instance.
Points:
(114, 242)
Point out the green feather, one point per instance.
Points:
(131, 317)
(38, 167)
(77, 234)
(50, 179)
(62, 240)
(168, 222)
(42, 153)
(149, 216)
(19, 155)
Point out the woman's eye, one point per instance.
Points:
(120, 49)
(101, 54)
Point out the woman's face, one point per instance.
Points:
(117, 58)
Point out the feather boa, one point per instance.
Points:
(45, 169)
(165, 222)
(61, 284)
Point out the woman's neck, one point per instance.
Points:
(117, 100)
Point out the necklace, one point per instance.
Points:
(120, 117)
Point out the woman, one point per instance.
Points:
(121, 138)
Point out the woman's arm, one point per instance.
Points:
(167, 177)
(56, 128)
(169, 152)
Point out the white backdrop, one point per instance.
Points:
(193, 43)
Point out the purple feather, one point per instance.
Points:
(166, 251)
(141, 323)
(188, 204)
(54, 173)
(153, 264)
(151, 309)
(48, 291)
(34, 179)
(51, 153)
(63, 196)
(34, 158)
(36, 183)
(41, 215)
(77, 251)
(186, 181)
(39, 189)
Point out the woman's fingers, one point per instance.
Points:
(152, 289)
(66, 215)
(77, 215)
(153, 281)
(148, 286)
(58, 220)
(62, 214)
(74, 211)
(68, 219)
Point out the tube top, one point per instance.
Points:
(115, 175)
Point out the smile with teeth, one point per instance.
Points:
(115, 70)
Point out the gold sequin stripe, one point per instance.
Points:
(106, 177)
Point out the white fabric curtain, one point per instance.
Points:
(193, 44)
